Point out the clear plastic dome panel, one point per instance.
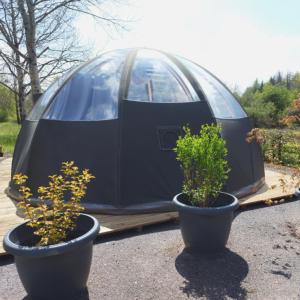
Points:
(155, 78)
(221, 101)
(39, 108)
(92, 93)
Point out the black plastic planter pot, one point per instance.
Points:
(206, 229)
(57, 271)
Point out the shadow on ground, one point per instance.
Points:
(213, 277)
(6, 260)
(84, 295)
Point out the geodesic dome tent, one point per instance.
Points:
(120, 115)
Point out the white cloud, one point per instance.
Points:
(210, 32)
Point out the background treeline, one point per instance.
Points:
(267, 103)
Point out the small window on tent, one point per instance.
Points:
(222, 102)
(92, 92)
(155, 78)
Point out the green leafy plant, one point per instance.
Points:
(202, 159)
(279, 146)
(59, 203)
(278, 149)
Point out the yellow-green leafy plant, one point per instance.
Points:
(203, 160)
(59, 203)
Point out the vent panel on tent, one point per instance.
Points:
(154, 78)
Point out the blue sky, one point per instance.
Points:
(272, 15)
(237, 40)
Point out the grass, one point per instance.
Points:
(8, 135)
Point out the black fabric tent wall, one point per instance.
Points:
(131, 156)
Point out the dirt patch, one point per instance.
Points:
(294, 230)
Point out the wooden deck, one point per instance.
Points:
(272, 189)
(110, 223)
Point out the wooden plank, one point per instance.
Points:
(272, 188)
(7, 210)
(112, 224)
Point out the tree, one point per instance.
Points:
(267, 105)
(295, 81)
(14, 62)
(272, 80)
(263, 114)
(273, 99)
(40, 37)
(248, 96)
(280, 96)
(261, 87)
(45, 21)
(289, 77)
(255, 85)
(278, 78)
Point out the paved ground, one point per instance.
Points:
(262, 262)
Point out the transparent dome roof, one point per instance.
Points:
(92, 92)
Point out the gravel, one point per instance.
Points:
(262, 261)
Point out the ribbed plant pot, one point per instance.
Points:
(206, 229)
(57, 271)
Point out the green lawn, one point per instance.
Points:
(8, 135)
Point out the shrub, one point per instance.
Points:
(202, 159)
(267, 105)
(273, 148)
(279, 146)
(262, 114)
(292, 117)
(291, 154)
(59, 203)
